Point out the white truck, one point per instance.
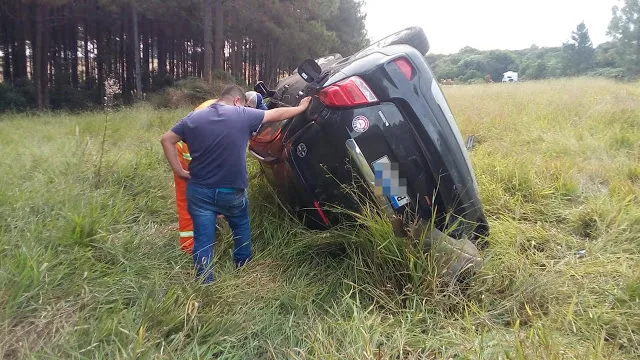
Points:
(510, 76)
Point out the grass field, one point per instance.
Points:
(89, 265)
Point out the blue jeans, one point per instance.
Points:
(204, 205)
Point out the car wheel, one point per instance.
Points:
(412, 36)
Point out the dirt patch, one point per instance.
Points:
(42, 328)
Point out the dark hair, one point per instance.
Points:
(232, 91)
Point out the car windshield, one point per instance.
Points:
(269, 131)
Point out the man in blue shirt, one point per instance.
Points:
(218, 136)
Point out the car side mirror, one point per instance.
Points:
(261, 88)
(309, 70)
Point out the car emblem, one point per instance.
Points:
(302, 150)
(360, 124)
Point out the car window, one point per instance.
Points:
(269, 131)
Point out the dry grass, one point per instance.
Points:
(94, 273)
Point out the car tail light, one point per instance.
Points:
(405, 67)
(350, 92)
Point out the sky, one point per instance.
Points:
(490, 24)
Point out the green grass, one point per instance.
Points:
(89, 267)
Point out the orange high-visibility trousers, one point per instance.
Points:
(185, 224)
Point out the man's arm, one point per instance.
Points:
(284, 113)
(169, 141)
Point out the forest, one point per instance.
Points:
(59, 53)
(618, 58)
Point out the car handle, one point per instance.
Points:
(269, 160)
(256, 155)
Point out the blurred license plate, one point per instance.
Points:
(388, 182)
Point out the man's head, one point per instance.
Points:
(255, 100)
(233, 95)
(252, 98)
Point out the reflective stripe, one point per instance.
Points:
(186, 233)
(180, 144)
(187, 156)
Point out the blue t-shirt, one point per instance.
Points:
(217, 137)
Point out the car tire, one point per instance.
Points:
(412, 36)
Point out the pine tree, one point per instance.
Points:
(579, 51)
(625, 28)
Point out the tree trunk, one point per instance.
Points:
(57, 36)
(245, 62)
(9, 47)
(191, 59)
(109, 55)
(129, 55)
(73, 52)
(19, 55)
(162, 55)
(268, 63)
(198, 58)
(152, 49)
(32, 57)
(145, 58)
(218, 41)
(46, 36)
(183, 59)
(53, 34)
(87, 65)
(123, 56)
(263, 56)
(8, 40)
(6, 65)
(238, 57)
(100, 57)
(39, 58)
(179, 59)
(172, 58)
(136, 51)
(207, 12)
(64, 40)
(233, 54)
(252, 61)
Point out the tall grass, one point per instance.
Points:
(96, 273)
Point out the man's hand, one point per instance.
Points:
(284, 113)
(305, 102)
(184, 174)
(168, 141)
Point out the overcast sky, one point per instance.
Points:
(490, 24)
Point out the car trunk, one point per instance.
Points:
(412, 126)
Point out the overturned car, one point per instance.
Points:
(378, 119)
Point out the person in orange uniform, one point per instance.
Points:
(185, 224)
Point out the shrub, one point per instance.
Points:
(612, 73)
(19, 97)
(191, 91)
